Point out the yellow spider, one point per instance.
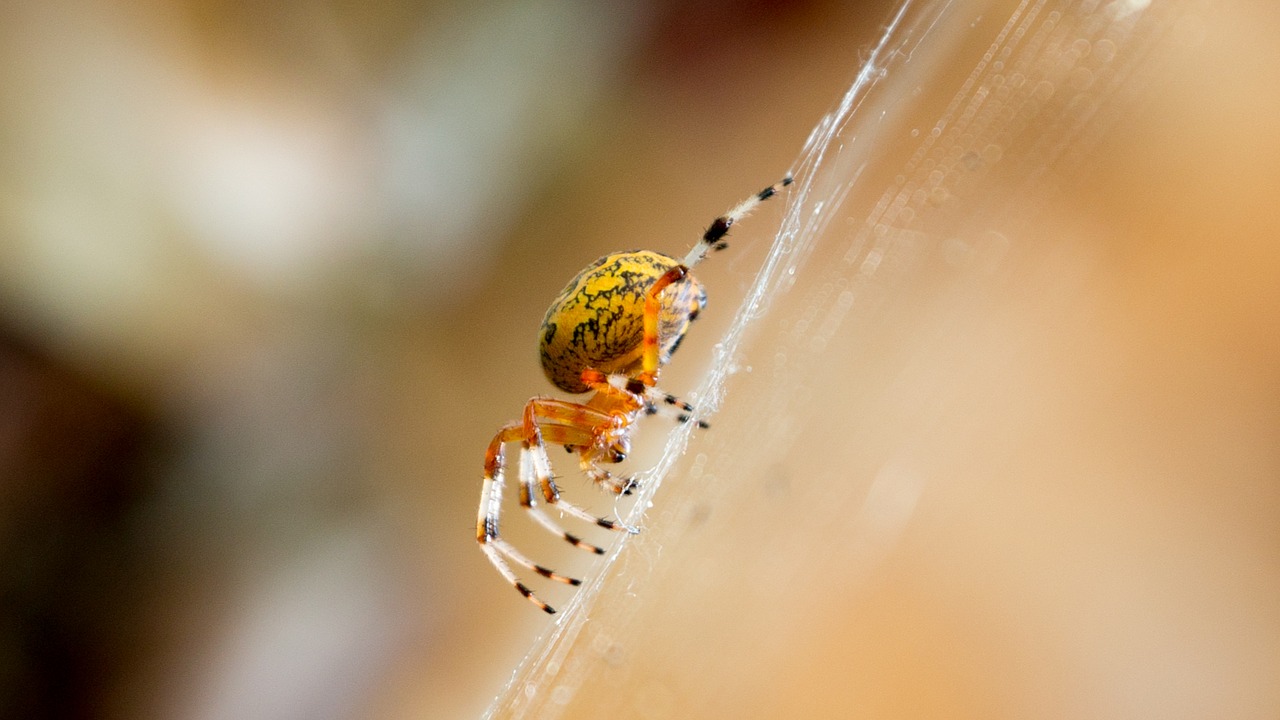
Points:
(609, 332)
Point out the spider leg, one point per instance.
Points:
(573, 425)
(652, 309)
(630, 394)
(576, 437)
(623, 485)
(639, 395)
(580, 441)
(626, 390)
(489, 516)
(535, 465)
(520, 558)
(713, 238)
(550, 493)
(527, 501)
(668, 405)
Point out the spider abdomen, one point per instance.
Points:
(597, 321)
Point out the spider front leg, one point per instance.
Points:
(712, 239)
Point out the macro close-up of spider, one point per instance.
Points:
(980, 419)
(608, 333)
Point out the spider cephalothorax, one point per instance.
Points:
(608, 333)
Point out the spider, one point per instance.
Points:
(609, 332)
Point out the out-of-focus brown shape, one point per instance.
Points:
(71, 471)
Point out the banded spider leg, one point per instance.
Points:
(563, 423)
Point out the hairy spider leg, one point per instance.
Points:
(653, 400)
(662, 403)
(623, 396)
(712, 239)
(535, 466)
(635, 394)
(580, 441)
(536, 451)
(528, 495)
(617, 390)
(560, 422)
(494, 547)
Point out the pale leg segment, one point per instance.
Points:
(541, 465)
(495, 548)
(713, 238)
(528, 486)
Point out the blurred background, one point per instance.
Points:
(271, 275)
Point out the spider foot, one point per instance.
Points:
(500, 551)
(618, 525)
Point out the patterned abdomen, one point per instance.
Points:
(597, 321)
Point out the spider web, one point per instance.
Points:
(920, 188)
